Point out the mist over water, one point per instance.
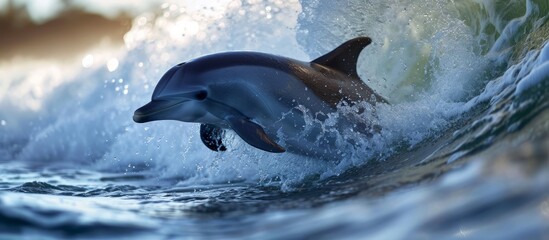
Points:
(467, 83)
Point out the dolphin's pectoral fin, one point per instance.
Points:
(212, 136)
(344, 57)
(253, 134)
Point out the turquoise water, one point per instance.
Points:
(462, 152)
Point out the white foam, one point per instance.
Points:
(539, 76)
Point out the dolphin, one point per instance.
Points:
(260, 96)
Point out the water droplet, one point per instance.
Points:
(87, 61)
(3, 123)
(142, 21)
(112, 64)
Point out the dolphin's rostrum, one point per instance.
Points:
(257, 95)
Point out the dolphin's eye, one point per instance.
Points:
(201, 95)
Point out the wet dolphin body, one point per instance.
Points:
(259, 96)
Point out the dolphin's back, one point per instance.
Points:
(239, 58)
(328, 84)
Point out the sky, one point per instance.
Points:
(40, 11)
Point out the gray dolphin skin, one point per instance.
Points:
(260, 96)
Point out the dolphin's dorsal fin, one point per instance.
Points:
(344, 57)
(212, 136)
(253, 134)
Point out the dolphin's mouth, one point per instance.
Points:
(151, 111)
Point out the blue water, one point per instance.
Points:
(462, 152)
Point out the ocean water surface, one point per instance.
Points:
(462, 152)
